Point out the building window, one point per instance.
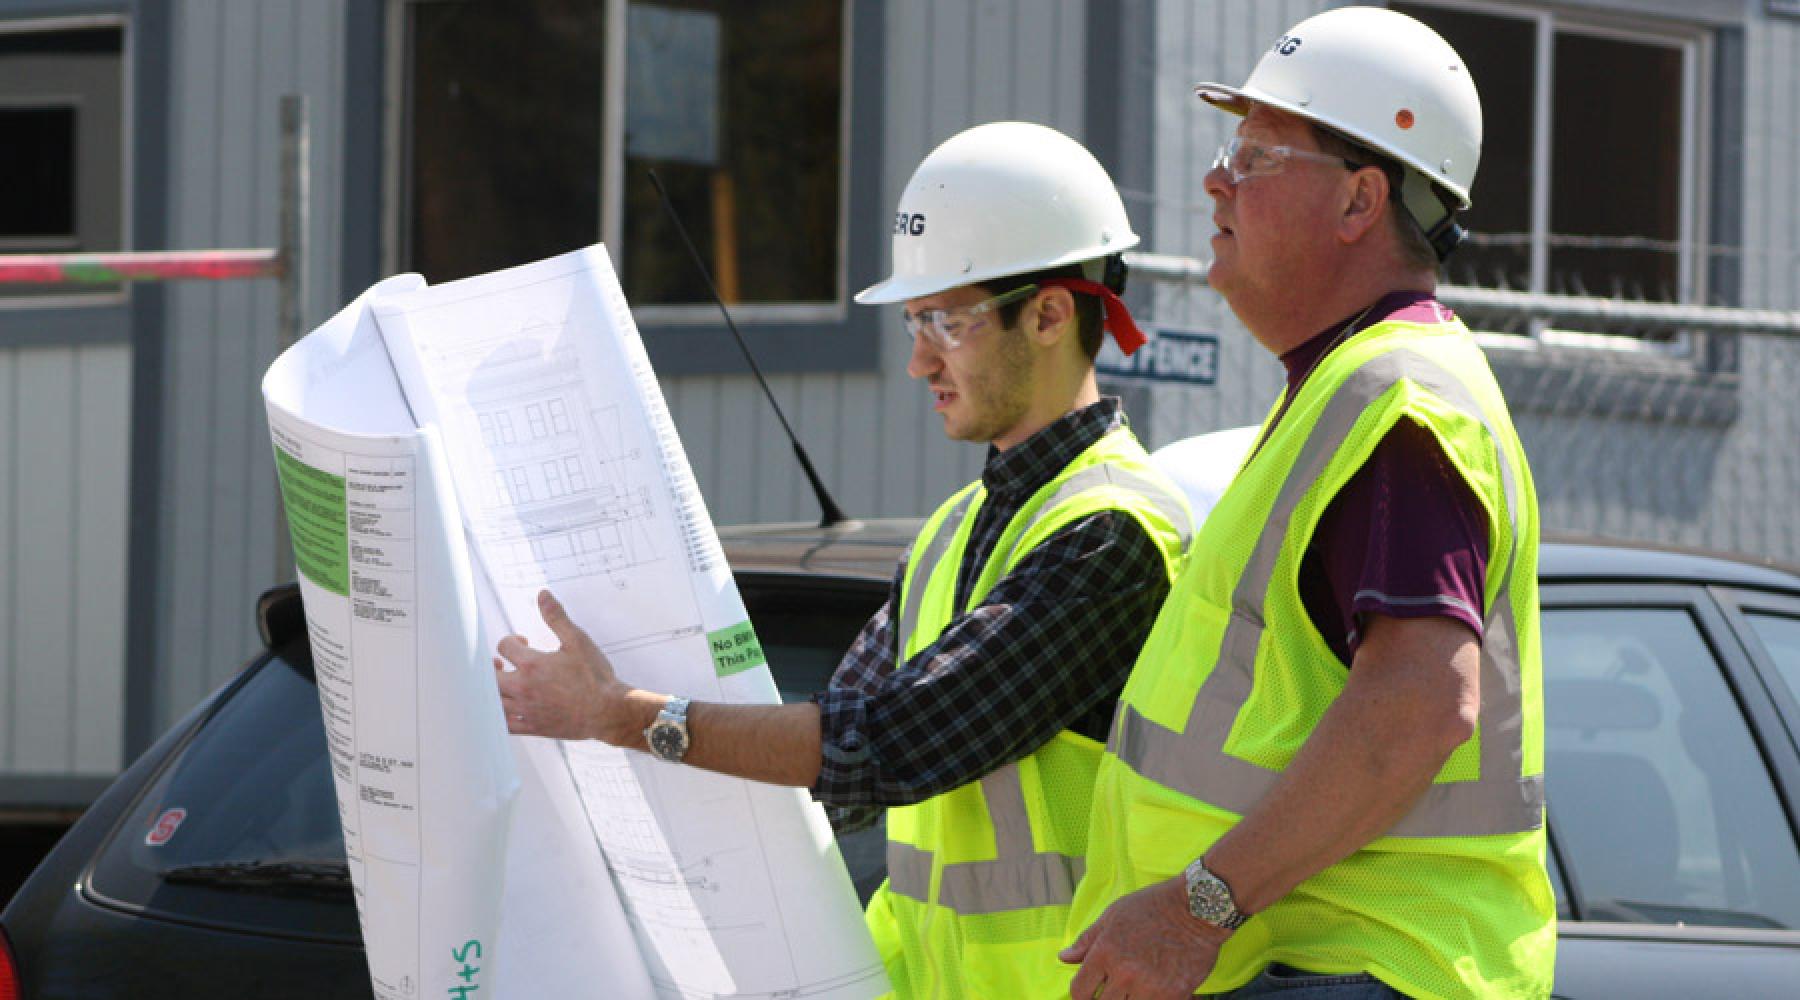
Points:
(553, 479)
(1591, 166)
(577, 476)
(559, 416)
(534, 415)
(62, 130)
(738, 107)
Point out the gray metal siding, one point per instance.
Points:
(64, 415)
(949, 64)
(232, 60)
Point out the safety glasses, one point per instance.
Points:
(1246, 158)
(945, 329)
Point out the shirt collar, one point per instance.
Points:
(1023, 469)
(1411, 306)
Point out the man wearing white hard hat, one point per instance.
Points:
(1326, 773)
(973, 706)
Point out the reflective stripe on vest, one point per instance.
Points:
(1017, 878)
(1099, 475)
(1194, 760)
(927, 563)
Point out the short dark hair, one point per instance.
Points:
(1089, 317)
(1414, 244)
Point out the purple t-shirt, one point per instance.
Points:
(1405, 537)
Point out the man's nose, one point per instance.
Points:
(1217, 182)
(925, 360)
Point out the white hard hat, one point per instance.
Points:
(1000, 199)
(1381, 79)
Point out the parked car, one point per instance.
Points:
(1673, 692)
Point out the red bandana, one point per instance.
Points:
(1118, 320)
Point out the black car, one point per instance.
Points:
(1673, 692)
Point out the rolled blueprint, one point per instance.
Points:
(488, 438)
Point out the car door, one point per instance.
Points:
(1674, 855)
(1768, 624)
(806, 623)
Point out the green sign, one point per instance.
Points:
(315, 511)
(735, 649)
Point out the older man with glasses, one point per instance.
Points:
(1326, 776)
(973, 706)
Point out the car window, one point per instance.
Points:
(1780, 635)
(806, 624)
(241, 827)
(1660, 801)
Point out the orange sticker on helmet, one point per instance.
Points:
(1404, 118)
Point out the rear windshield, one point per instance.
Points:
(240, 829)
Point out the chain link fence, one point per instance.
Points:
(1645, 421)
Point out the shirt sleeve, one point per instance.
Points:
(1049, 647)
(841, 717)
(1405, 538)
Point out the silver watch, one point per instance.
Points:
(1209, 898)
(668, 735)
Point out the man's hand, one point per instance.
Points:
(568, 694)
(1145, 946)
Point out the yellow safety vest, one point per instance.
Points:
(1454, 901)
(980, 877)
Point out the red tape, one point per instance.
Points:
(1118, 319)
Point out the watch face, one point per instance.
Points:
(668, 741)
(1209, 899)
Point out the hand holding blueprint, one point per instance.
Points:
(446, 452)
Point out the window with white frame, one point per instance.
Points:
(528, 128)
(1592, 166)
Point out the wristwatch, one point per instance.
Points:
(668, 735)
(1209, 898)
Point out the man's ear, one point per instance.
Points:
(1054, 317)
(1365, 199)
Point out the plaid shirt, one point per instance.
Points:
(1047, 649)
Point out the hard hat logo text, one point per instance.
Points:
(909, 223)
(1286, 44)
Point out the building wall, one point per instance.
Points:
(65, 408)
(206, 490)
(63, 452)
(218, 521)
(949, 64)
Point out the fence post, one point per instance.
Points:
(296, 193)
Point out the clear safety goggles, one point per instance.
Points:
(1246, 158)
(945, 329)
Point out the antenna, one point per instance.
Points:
(829, 512)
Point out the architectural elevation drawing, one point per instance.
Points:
(537, 443)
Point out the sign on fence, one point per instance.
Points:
(1184, 356)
